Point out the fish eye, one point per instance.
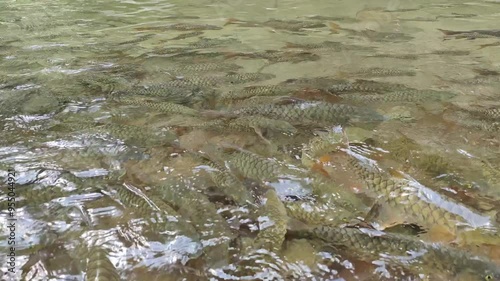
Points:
(488, 277)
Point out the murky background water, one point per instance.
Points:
(251, 140)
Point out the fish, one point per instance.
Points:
(319, 146)
(450, 52)
(161, 216)
(237, 78)
(328, 45)
(472, 34)
(215, 233)
(261, 125)
(138, 39)
(251, 165)
(165, 107)
(273, 220)
(360, 85)
(202, 67)
(316, 213)
(492, 113)
(289, 25)
(180, 93)
(276, 56)
(99, 267)
(403, 96)
(304, 112)
(416, 255)
(396, 56)
(251, 91)
(226, 180)
(383, 72)
(372, 35)
(425, 206)
(187, 35)
(212, 42)
(180, 26)
(466, 119)
(255, 101)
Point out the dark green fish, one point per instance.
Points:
(275, 56)
(396, 56)
(359, 85)
(383, 72)
(161, 216)
(312, 112)
(202, 67)
(485, 113)
(212, 42)
(425, 206)
(202, 214)
(316, 213)
(251, 91)
(138, 39)
(99, 267)
(136, 135)
(226, 180)
(328, 45)
(180, 26)
(187, 35)
(165, 107)
(254, 166)
(410, 95)
(272, 223)
(472, 34)
(416, 255)
(468, 120)
(180, 93)
(450, 52)
(237, 78)
(290, 25)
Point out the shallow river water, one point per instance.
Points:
(250, 140)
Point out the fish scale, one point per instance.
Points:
(250, 91)
(203, 67)
(412, 200)
(317, 213)
(307, 111)
(227, 181)
(166, 107)
(236, 78)
(384, 72)
(253, 166)
(161, 215)
(215, 233)
(99, 267)
(271, 237)
(434, 257)
(171, 92)
(361, 85)
(403, 96)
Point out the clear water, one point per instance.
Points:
(84, 119)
